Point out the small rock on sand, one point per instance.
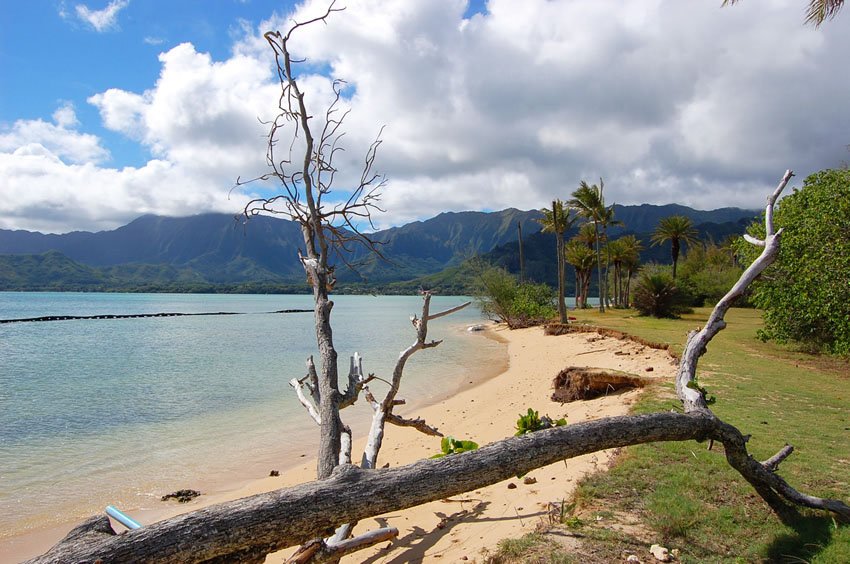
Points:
(660, 553)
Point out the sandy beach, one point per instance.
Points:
(463, 528)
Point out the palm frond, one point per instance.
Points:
(818, 11)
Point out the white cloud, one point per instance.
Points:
(65, 116)
(668, 101)
(102, 20)
(154, 40)
(58, 138)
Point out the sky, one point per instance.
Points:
(111, 109)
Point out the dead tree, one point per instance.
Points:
(306, 182)
(306, 172)
(248, 529)
(340, 544)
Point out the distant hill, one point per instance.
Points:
(425, 247)
(214, 252)
(645, 217)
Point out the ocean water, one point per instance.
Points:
(121, 411)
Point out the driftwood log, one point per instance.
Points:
(246, 530)
(576, 383)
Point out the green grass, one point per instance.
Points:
(688, 496)
(531, 548)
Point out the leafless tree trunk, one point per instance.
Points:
(339, 544)
(521, 258)
(324, 229)
(305, 182)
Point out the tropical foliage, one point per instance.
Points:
(451, 445)
(531, 422)
(817, 12)
(707, 271)
(656, 294)
(677, 229)
(518, 305)
(624, 254)
(805, 294)
(579, 254)
(589, 203)
(558, 220)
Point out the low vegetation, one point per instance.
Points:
(685, 496)
(657, 295)
(531, 422)
(451, 445)
(503, 298)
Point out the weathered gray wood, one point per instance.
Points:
(245, 529)
(697, 341)
(273, 521)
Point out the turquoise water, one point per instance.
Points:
(121, 411)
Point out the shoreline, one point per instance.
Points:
(254, 476)
(484, 409)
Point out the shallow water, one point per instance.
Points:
(121, 411)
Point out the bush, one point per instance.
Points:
(805, 294)
(519, 305)
(657, 295)
(707, 273)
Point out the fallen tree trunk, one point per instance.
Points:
(246, 530)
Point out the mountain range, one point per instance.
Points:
(216, 252)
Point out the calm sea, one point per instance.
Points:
(121, 411)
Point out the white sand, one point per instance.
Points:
(463, 526)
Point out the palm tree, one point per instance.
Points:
(615, 251)
(581, 256)
(677, 229)
(558, 220)
(586, 236)
(606, 219)
(818, 11)
(632, 248)
(589, 203)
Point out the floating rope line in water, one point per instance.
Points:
(138, 315)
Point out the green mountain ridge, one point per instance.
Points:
(216, 253)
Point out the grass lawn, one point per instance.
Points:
(683, 496)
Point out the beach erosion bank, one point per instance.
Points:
(484, 410)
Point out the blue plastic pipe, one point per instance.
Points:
(122, 518)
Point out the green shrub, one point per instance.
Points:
(657, 295)
(706, 274)
(519, 305)
(805, 294)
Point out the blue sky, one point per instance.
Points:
(50, 55)
(110, 109)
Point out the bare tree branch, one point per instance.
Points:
(418, 424)
(690, 394)
(774, 461)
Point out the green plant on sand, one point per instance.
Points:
(451, 445)
(531, 422)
